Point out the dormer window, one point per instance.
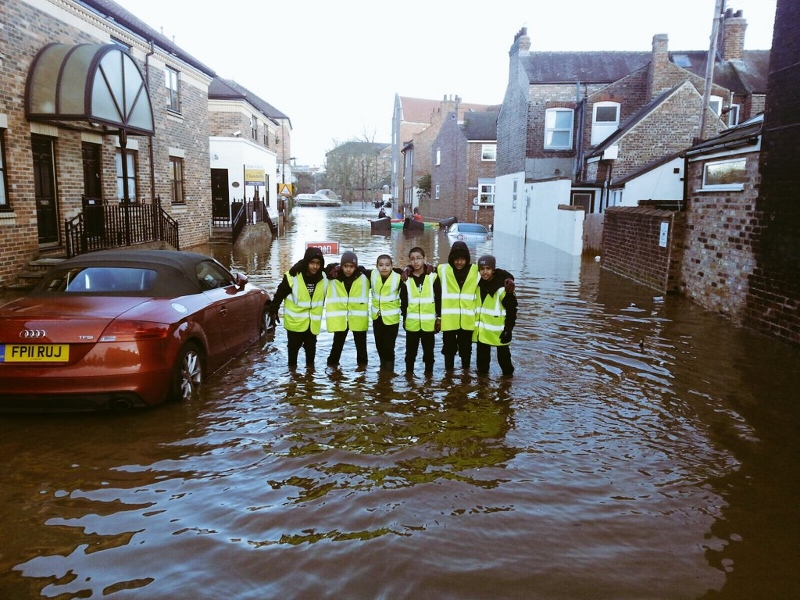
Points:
(715, 104)
(558, 129)
(605, 121)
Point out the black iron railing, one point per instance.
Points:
(115, 225)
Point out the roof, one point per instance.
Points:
(419, 110)
(127, 20)
(746, 76)
(481, 125)
(744, 134)
(227, 89)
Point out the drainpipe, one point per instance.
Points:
(710, 62)
(152, 139)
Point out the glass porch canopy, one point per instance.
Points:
(97, 83)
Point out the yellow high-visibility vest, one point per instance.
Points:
(300, 310)
(386, 297)
(345, 310)
(421, 310)
(458, 304)
(490, 318)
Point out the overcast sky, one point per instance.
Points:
(334, 66)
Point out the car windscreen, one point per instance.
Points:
(470, 228)
(102, 279)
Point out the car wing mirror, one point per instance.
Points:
(240, 279)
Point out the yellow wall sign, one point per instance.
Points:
(252, 176)
(285, 189)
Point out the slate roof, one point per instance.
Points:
(481, 125)
(745, 76)
(114, 12)
(227, 89)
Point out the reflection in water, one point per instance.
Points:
(643, 449)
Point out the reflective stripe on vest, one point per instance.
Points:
(301, 311)
(386, 297)
(347, 311)
(421, 310)
(458, 304)
(490, 319)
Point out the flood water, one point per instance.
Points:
(644, 449)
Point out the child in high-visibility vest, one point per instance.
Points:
(303, 287)
(420, 305)
(496, 315)
(385, 283)
(347, 309)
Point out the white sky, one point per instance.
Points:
(334, 66)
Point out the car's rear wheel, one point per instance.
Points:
(188, 373)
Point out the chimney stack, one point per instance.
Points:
(731, 35)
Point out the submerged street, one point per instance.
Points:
(645, 448)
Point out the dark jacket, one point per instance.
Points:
(285, 288)
(488, 288)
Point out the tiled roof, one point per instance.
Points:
(420, 110)
(741, 135)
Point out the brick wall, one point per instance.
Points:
(631, 245)
(773, 305)
(720, 230)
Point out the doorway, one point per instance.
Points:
(44, 180)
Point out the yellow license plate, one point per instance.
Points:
(34, 353)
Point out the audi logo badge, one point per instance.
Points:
(30, 334)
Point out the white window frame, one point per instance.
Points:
(489, 152)
(486, 192)
(733, 115)
(131, 160)
(438, 157)
(551, 128)
(601, 130)
(514, 195)
(437, 192)
(731, 164)
(715, 103)
(173, 84)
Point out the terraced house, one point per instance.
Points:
(585, 131)
(105, 135)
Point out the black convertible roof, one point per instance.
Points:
(177, 270)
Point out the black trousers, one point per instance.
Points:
(339, 338)
(457, 341)
(302, 339)
(413, 341)
(385, 341)
(483, 357)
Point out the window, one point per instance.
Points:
(558, 129)
(725, 174)
(489, 152)
(715, 104)
(130, 159)
(3, 185)
(176, 179)
(733, 115)
(514, 196)
(605, 121)
(438, 192)
(438, 157)
(582, 199)
(173, 89)
(254, 127)
(485, 191)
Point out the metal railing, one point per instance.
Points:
(116, 225)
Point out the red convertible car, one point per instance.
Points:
(120, 329)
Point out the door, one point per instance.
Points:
(220, 198)
(44, 181)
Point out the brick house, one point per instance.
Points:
(602, 120)
(415, 124)
(462, 174)
(141, 138)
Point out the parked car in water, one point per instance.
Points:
(467, 232)
(315, 200)
(125, 328)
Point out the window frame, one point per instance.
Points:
(438, 160)
(550, 129)
(602, 130)
(172, 81)
(489, 152)
(490, 192)
(176, 183)
(732, 186)
(132, 191)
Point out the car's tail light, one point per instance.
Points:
(135, 331)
